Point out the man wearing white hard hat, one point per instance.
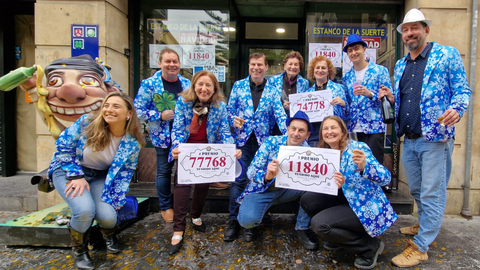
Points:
(431, 94)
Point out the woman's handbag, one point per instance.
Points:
(128, 211)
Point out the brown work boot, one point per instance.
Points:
(411, 256)
(167, 215)
(412, 230)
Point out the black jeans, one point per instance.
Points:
(334, 221)
(376, 143)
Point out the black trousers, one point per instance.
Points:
(376, 143)
(333, 220)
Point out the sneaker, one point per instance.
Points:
(250, 234)
(232, 230)
(307, 238)
(412, 230)
(330, 246)
(363, 262)
(411, 256)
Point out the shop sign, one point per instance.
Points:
(332, 51)
(84, 40)
(218, 71)
(156, 25)
(340, 31)
(197, 38)
(370, 55)
(372, 42)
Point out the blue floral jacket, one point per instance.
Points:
(262, 121)
(258, 168)
(145, 107)
(338, 90)
(367, 111)
(218, 130)
(445, 86)
(277, 83)
(364, 193)
(69, 154)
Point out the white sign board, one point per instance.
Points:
(154, 53)
(200, 163)
(218, 71)
(332, 51)
(315, 104)
(370, 55)
(308, 169)
(198, 55)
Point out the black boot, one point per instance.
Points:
(80, 249)
(111, 240)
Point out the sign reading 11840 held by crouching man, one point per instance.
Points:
(308, 169)
(200, 163)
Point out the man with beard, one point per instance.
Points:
(154, 103)
(431, 94)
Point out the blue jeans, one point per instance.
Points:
(164, 179)
(237, 187)
(428, 166)
(89, 206)
(255, 205)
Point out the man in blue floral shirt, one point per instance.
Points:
(261, 192)
(253, 110)
(431, 94)
(363, 82)
(155, 102)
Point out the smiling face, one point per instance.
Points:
(321, 71)
(292, 67)
(73, 93)
(204, 88)
(414, 35)
(170, 65)
(297, 132)
(332, 133)
(356, 53)
(257, 69)
(115, 111)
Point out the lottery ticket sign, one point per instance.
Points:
(308, 169)
(315, 104)
(206, 163)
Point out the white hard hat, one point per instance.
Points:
(414, 15)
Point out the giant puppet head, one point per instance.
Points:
(76, 86)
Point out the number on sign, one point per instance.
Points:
(306, 167)
(216, 162)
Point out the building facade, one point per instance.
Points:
(218, 35)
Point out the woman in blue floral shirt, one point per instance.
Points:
(200, 117)
(92, 168)
(360, 212)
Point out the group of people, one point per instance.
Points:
(97, 155)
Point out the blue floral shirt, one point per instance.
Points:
(262, 121)
(146, 110)
(338, 90)
(364, 193)
(69, 155)
(218, 130)
(361, 108)
(444, 87)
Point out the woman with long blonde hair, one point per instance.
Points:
(92, 168)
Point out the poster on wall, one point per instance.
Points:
(198, 55)
(370, 55)
(332, 51)
(218, 71)
(154, 53)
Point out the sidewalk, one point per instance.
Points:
(145, 247)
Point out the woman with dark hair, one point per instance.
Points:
(289, 82)
(321, 70)
(92, 168)
(200, 117)
(360, 212)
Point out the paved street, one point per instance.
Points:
(145, 247)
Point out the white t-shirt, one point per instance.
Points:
(360, 74)
(103, 159)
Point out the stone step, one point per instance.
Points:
(17, 193)
(217, 200)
